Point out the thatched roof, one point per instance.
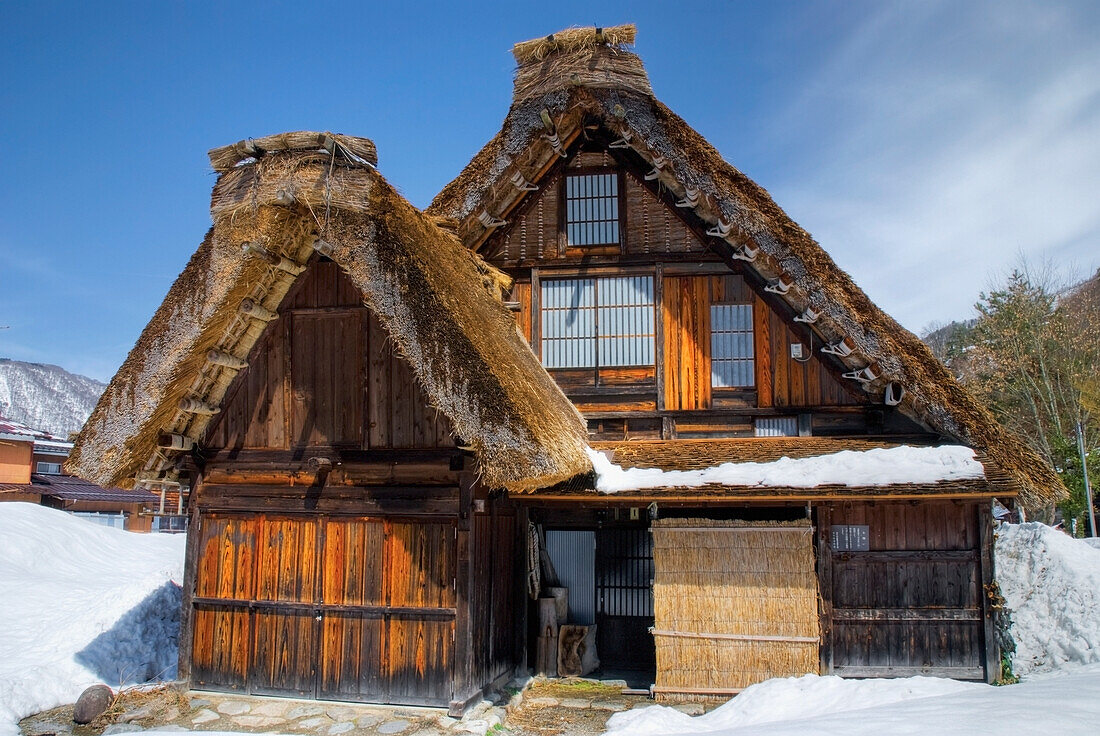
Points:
(560, 86)
(439, 302)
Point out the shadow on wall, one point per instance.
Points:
(143, 645)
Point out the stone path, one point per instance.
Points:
(539, 707)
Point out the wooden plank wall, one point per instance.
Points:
(342, 608)
(326, 374)
(913, 603)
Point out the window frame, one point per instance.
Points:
(39, 471)
(569, 249)
(597, 338)
(751, 332)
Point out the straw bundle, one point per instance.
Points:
(574, 39)
(349, 149)
(734, 604)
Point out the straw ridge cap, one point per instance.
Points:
(574, 39)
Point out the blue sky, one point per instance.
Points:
(926, 145)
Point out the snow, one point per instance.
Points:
(46, 396)
(1051, 583)
(880, 466)
(1067, 704)
(82, 604)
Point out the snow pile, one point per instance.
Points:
(881, 466)
(1051, 583)
(1068, 704)
(783, 700)
(82, 604)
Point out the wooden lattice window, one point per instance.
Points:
(592, 209)
(598, 323)
(732, 362)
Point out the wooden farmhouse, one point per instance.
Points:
(603, 361)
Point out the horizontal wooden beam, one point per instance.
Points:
(323, 608)
(889, 615)
(956, 673)
(914, 555)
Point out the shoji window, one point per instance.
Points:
(598, 323)
(592, 209)
(732, 363)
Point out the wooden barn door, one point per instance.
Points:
(902, 589)
(337, 608)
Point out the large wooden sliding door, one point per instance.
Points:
(329, 607)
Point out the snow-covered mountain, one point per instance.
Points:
(46, 396)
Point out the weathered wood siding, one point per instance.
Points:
(326, 374)
(675, 397)
(341, 608)
(913, 603)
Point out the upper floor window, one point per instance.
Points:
(47, 468)
(592, 209)
(732, 363)
(598, 323)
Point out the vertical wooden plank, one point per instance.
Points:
(825, 586)
(991, 659)
(379, 385)
(659, 335)
(762, 349)
(781, 359)
(701, 294)
(797, 373)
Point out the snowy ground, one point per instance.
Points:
(82, 604)
(1067, 704)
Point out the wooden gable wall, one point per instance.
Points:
(326, 374)
(674, 397)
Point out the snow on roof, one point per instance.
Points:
(13, 430)
(876, 467)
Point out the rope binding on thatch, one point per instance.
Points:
(348, 149)
(574, 39)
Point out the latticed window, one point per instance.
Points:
(732, 363)
(598, 323)
(592, 209)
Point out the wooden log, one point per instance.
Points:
(576, 650)
(548, 617)
(546, 657)
(561, 601)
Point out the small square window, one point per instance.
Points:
(592, 209)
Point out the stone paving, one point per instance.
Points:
(578, 707)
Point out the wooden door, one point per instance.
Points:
(907, 598)
(284, 611)
(336, 608)
(224, 589)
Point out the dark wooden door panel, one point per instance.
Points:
(220, 647)
(283, 654)
(420, 659)
(352, 653)
(912, 602)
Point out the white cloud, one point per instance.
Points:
(960, 136)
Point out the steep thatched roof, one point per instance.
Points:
(439, 302)
(560, 91)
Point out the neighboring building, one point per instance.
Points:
(374, 454)
(32, 470)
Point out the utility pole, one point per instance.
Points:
(1085, 472)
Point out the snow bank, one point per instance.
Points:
(880, 466)
(1051, 583)
(82, 603)
(1067, 704)
(783, 700)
